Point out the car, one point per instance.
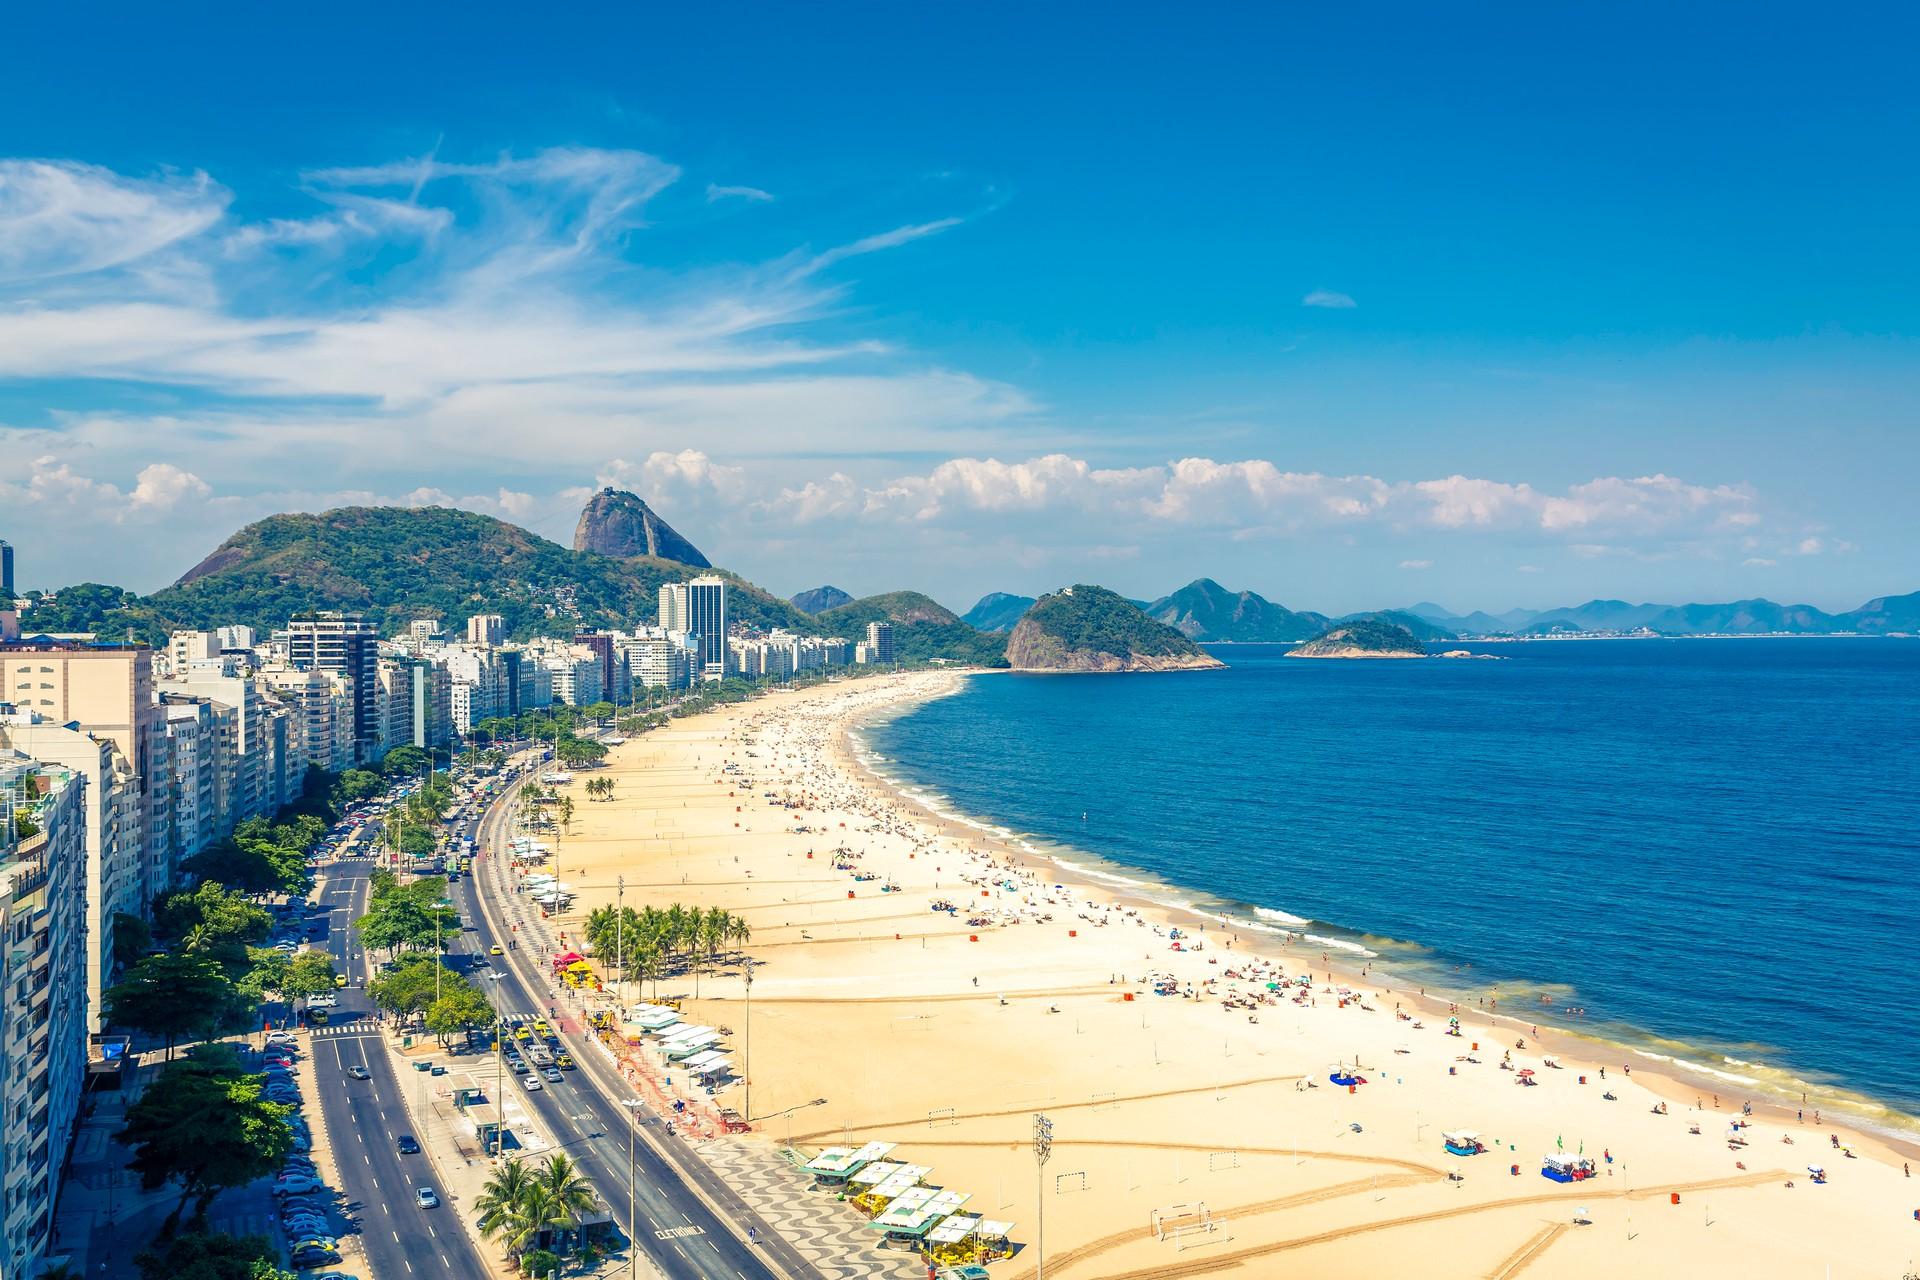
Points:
(541, 1026)
(306, 1259)
(425, 1197)
(551, 1075)
(495, 950)
(408, 1147)
(282, 1037)
(293, 1183)
(281, 1093)
(339, 979)
(437, 1070)
(564, 1061)
(307, 1224)
(358, 1072)
(317, 1017)
(532, 1082)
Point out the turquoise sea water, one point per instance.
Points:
(1710, 846)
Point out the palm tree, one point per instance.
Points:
(499, 1200)
(565, 810)
(563, 1193)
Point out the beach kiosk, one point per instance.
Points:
(1463, 1142)
(1561, 1167)
(953, 1242)
(832, 1167)
(873, 1198)
(915, 1213)
(688, 1045)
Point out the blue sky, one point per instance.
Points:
(1489, 306)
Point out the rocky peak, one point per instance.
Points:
(617, 523)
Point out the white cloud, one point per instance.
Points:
(1810, 547)
(1759, 562)
(716, 193)
(1329, 299)
(162, 485)
(50, 484)
(1416, 564)
(59, 218)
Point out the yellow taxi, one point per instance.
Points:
(495, 950)
(339, 979)
(540, 1026)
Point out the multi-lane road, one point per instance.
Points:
(685, 1218)
(365, 1118)
(674, 1192)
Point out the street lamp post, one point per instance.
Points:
(1042, 1151)
(748, 1080)
(633, 1224)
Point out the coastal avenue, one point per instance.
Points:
(685, 1238)
(364, 1118)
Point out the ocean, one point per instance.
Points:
(1710, 847)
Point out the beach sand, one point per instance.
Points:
(920, 1029)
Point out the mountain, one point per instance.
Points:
(1886, 613)
(394, 564)
(1420, 628)
(1205, 610)
(616, 523)
(997, 611)
(1083, 628)
(922, 628)
(1742, 617)
(1477, 623)
(820, 599)
(1362, 638)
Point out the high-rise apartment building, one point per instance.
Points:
(346, 645)
(107, 691)
(880, 643)
(707, 618)
(601, 643)
(6, 572)
(488, 629)
(673, 607)
(43, 1037)
(112, 814)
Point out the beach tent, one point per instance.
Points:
(953, 1240)
(700, 1059)
(715, 1067)
(1463, 1142)
(671, 1034)
(656, 1020)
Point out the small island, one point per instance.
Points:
(1362, 638)
(1083, 628)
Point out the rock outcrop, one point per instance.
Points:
(1083, 628)
(1363, 639)
(617, 523)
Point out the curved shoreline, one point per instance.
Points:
(1677, 1080)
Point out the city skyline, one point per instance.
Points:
(1276, 314)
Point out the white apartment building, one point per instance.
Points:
(112, 881)
(488, 629)
(657, 661)
(43, 1031)
(575, 670)
(247, 787)
(195, 763)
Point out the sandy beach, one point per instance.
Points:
(1210, 1106)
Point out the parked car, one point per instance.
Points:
(293, 1184)
(426, 1198)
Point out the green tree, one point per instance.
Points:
(131, 937)
(309, 973)
(204, 1125)
(461, 1005)
(404, 761)
(210, 1255)
(172, 996)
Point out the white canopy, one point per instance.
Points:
(846, 1159)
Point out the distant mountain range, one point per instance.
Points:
(1738, 617)
(1206, 612)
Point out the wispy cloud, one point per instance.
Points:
(1416, 564)
(716, 193)
(874, 244)
(1329, 299)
